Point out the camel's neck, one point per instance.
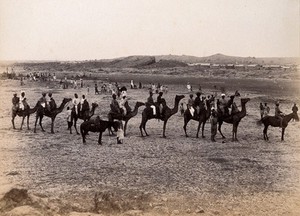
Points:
(135, 110)
(288, 117)
(34, 109)
(243, 111)
(61, 107)
(175, 108)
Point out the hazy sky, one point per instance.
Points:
(87, 29)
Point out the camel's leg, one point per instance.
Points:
(100, 138)
(164, 128)
(143, 126)
(203, 125)
(282, 134)
(234, 131)
(265, 133)
(125, 127)
(23, 117)
(219, 129)
(28, 123)
(83, 134)
(13, 121)
(75, 126)
(40, 123)
(198, 128)
(36, 119)
(186, 121)
(52, 125)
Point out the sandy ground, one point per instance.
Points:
(153, 175)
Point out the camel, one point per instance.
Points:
(275, 122)
(202, 117)
(127, 117)
(23, 113)
(97, 125)
(147, 114)
(86, 116)
(233, 119)
(51, 114)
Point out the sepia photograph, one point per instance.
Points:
(149, 107)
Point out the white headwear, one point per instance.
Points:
(222, 94)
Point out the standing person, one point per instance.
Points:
(76, 102)
(266, 110)
(278, 113)
(81, 83)
(52, 104)
(190, 104)
(22, 82)
(131, 84)
(262, 110)
(295, 109)
(214, 122)
(15, 101)
(96, 88)
(189, 87)
(69, 119)
(140, 85)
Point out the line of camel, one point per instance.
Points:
(147, 114)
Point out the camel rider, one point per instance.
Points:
(223, 104)
(43, 101)
(15, 101)
(191, 104)
(22, 102)
(197, 102)
(150, 102)
(278, 113)
(295, 108)
(122, 104)
(51, 102)
(76, 102)
(160, 102)
(114, 105)
(266, 110)
(84, 105)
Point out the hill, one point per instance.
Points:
(224, 59)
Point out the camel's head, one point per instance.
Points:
(94, 105)
(295, 116)
(138, 104)
(244, 100)
(66, 100)
(178, 98)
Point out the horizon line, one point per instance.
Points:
(98, 59)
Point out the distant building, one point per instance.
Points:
(215, 66)
(229, 66)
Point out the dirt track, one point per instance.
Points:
(177, 175)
